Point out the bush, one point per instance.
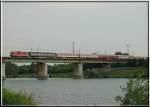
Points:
(12, 98)
(136, 93)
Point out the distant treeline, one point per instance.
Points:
(129, 63)
(132, 63)
(13, 70)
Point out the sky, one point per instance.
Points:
(101, 27)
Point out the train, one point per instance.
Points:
(68, 55)
(89, 56)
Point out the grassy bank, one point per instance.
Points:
(13, 98)
(132, 72)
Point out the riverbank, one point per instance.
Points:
(131, 72)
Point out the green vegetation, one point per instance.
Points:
(13, 98)
(13, 71)
(136, 93)
(120, 53)
(131, 72)
(61, 68)
(29, 71)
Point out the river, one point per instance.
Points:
(67, 91)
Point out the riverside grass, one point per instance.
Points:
(14, 98)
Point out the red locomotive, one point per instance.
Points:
(19, 54)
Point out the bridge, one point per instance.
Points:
(55, 60)
(42, 68)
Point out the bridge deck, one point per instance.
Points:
(56, 60)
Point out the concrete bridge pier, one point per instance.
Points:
(3, 71)
(42, 70)
(78, 71)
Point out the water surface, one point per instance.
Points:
(67, 91)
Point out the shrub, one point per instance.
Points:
(136, 93)
(12, 98)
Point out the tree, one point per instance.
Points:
(60, 68)
(32, 68)
(11, 70)
(125, 54)
(118, 53)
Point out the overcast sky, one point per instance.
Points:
(95, 27)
